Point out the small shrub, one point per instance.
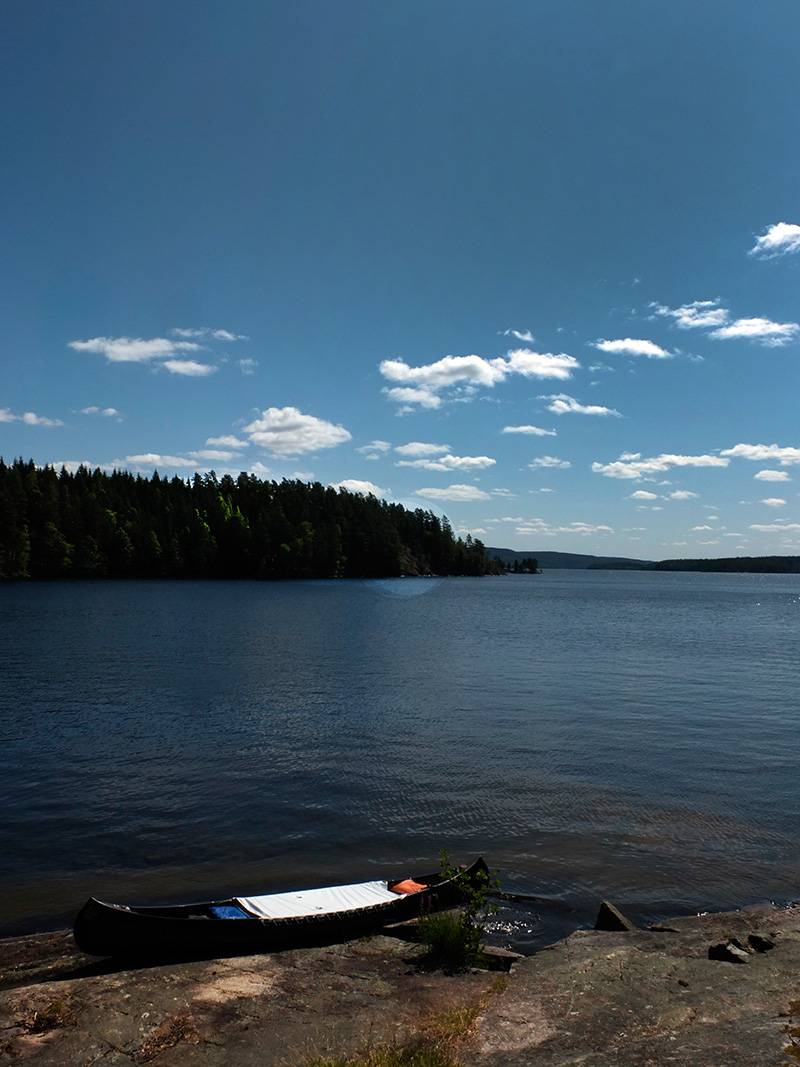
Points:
(454, 938)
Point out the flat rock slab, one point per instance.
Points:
(642, 998)
(652, 998)
(60, 1008)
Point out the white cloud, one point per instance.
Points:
(776, 527)
(133, 349)
(698, 529)
(226, 440)
(189, 368)
(448, 371)
(94, 410)
(785, 455)
(538, 527)
(771, 476)
(226, 335)
(29, 418)
(156, 459)
(73, 465)
(764, 331)
(541, 364)
(697, 314)
(374, 449)
(773, 502)
(521, 335)
(535, 431)
(644, 494)
(476, 531)
(288, 432)
(632, 465)
(247, 366)
(213, 453)
(561, 404)
(633, 346)
(780, 239)
(356, 485)
(408, 395)
(421, 448)
(550, 462)
(683, 494)
(457, 493)
(205, 331)
(422, 385)
(449, 463)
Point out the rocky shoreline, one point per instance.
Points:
(702, 991)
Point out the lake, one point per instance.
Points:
(594, 734)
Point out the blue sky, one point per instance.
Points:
(263, 237)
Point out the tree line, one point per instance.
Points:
(736, 565)
(92, 524)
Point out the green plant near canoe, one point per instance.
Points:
(454, 938)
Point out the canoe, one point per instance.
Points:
(263, 923)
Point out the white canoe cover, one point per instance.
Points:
(318, 901)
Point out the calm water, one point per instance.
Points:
(594, 734)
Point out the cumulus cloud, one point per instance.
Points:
(288, 432)
(773, 501)
(421, 448)
(247, 366)
(780, 239)
(356, 485)
(771, 476)
(108, 413)
(28, 418)
(644, 494)
(535, 431)
(133, 349)
(410, 395)
(458, 493)
(552, 462)
(785, 455)
(699, 529)
(189, 368)
(633, 346)
(763, 331)
(156, 459)
(697, 314)
(423, 385)
(631, 465)
(561, 404)
(683, 494)
(227, 440)
(520, 335)
(449, 462)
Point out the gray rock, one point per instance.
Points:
(609, 917)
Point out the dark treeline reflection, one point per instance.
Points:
(90, 524)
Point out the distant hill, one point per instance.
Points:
(577, 561)
(735, 565)
(574, 560)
